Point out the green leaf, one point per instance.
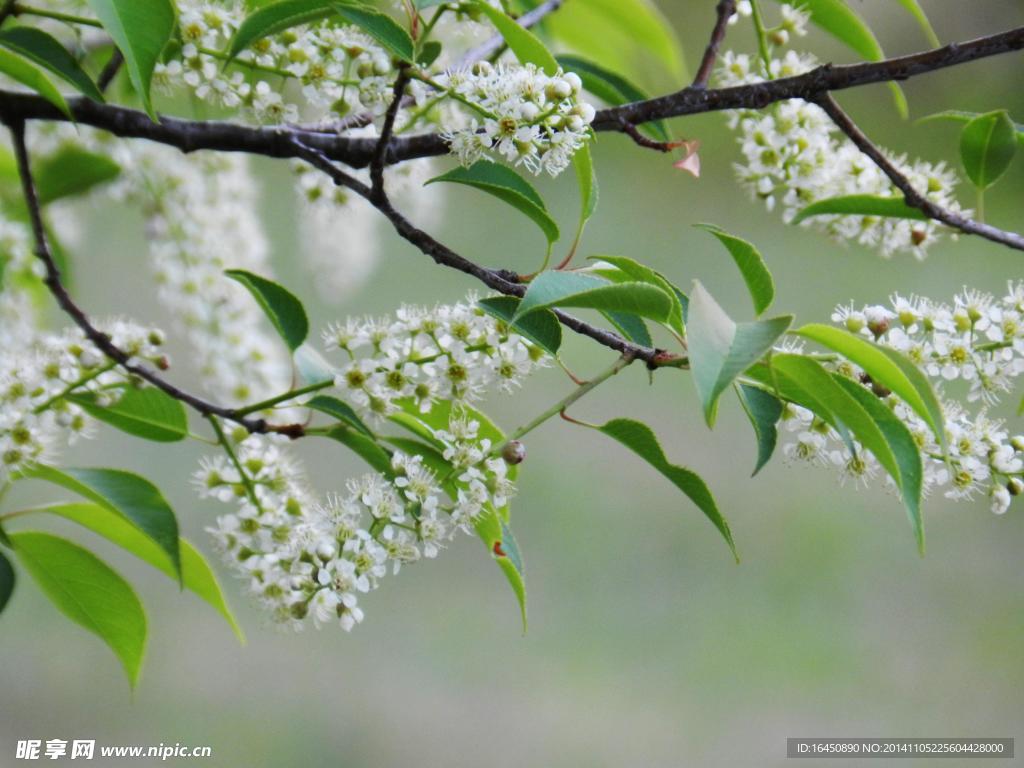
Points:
(720, 350)
(269, 19)
(961, 116)
(196, 574)
(629, 37)
(362, 446)
(987, 146)
(145, 412)
(840, 21)
(140, 31)
(130, 496)
(88, 592)
(751, 265)
(38, 46)
(522, 42)
(509, 559)
(7, 580)
(831, 401)
(764, 411)
(572, 289)
(381, 27)
(914, 9)
(637, 272)
(310, 365)
(887, 367)
(281, 306)
(20, 70)
(542, 328)
(860, 205)
(341, 411)
(642, 441)
(586, 180)
(631, 327)
(904, 448)
(72, 171)
(611, 88)
(428, 54)
(508, 186)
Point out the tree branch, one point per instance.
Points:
(724, 9)
(102, 341)
(503, 281)
(387, 130)
(191, 135)
(913, 198)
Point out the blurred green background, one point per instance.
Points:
(647, 645)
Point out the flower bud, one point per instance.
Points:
(513, 452)
(1015, 486)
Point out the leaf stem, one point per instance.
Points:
(762, 37)
(568, 400)
(56, 15)
(262, 405)
(225, 443)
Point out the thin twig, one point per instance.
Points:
(386, 134)
(110, 71)
(503, 281)
(913, 198)
(102, 341)
(724, 9)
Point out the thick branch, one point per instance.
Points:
(102, 341)
(191, 135)
(914, 198)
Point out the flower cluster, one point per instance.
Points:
(794, 156)
(304, 558)
(203, 219)
(447, 353)
(37, 380)
(521, 114)
(338, 68)
(978, 339)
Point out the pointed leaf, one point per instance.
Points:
(838, 406)
(764, 411)
(88, 592)
(7, 580)
(963, 117)
(145, 412)
(363, 447)
(572, 289)
(20, 70)
(720, 350)
(72, 171)
(751, 265)
(381, 27)
(987, 146)
(43, 49)
(642, 441)
(271, 18)
(508, 186)
(586, 180)
(631, 327)
(541, 328)
(340, 410)
(129, 495)
(140, 31)
(887, 367)
(522, 42)
(196, 573)
(281, 306)
(904, 448)
(861, 205)
(641, 273)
